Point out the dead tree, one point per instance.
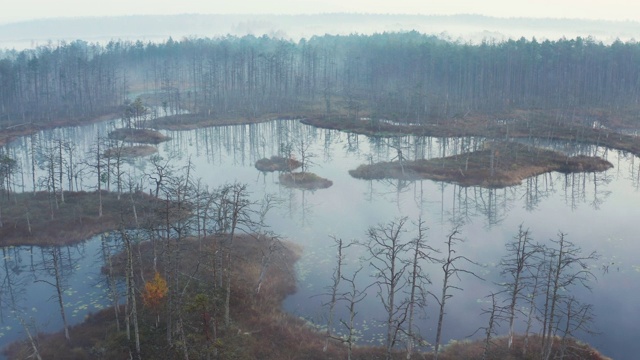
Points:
(352, 297)
(96, 164)
(450, 271)
(386, 250)
(514, 266)
(336, 277)
(234, 212)
(567, 268)
(418, 280)
(161, 168)
(131, 309)
(495, 317)
(536, 282)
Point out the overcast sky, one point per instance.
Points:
(18, 10)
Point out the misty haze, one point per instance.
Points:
(322, 186)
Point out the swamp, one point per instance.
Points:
(380, 196)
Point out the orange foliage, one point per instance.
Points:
(154, 291)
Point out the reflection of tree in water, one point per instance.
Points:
(633, 168)
(332, 138)
(459, 214)
(298, 204)
(492, 203)
(57, 268)
(586, 188)
(352, 145)
(12, 282)
(600, 193)
(537, 188)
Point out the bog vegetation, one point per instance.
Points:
(204, 278)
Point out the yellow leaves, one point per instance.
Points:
(154, 291)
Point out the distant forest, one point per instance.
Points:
(401, 76)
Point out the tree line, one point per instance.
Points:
(404, 76)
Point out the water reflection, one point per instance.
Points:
(595, 209)
(28, 286)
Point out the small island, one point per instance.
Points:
(498, 165)
(277, 163)
(145, 136)
(304, 180)
(131, 151)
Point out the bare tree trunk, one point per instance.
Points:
(60, 175)
(450, 269)
(532, 306)
(227, 299)
(417, 280)
(386, 250)
(353, 297)
(337, 276)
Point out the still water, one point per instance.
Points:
(596, 211)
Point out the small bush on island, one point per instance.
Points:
(277, 163)
(304, 180)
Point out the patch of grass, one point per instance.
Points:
(304, 180)
(145, 136)
(277, 163)
(500, 164)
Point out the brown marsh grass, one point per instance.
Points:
(304, 180)
(499, 164)
(41, 219)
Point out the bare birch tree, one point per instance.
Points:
(386, 249)
(420, 252)
(450, 270)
